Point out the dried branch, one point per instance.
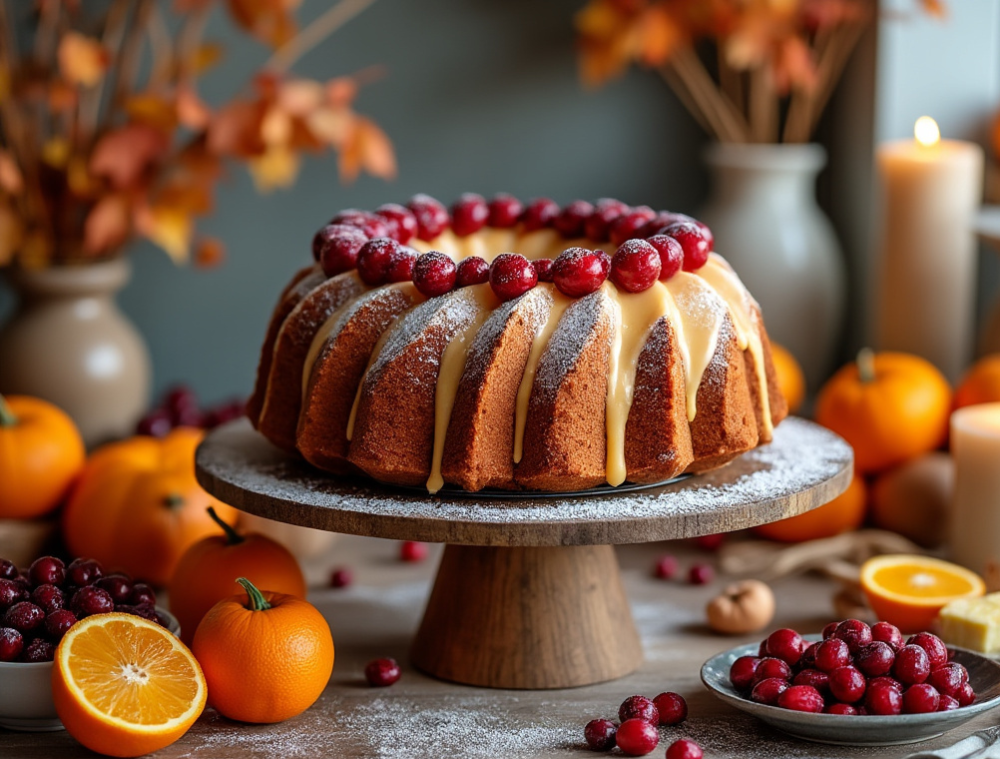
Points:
(47, 34)
(832, 67)
(112, 40)
(162, 48)
(189, 38)
(127, 67)
(763, 107)
(731, 126)
(321, 28)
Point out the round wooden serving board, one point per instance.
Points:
(528, 593)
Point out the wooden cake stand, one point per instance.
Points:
(528, 593)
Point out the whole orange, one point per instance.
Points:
(266, 656)
(204, 575)
(791, 380)
(891, 407)
(844, 513)
(41, 454)
(981, 384)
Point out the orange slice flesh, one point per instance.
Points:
(124, 686)
(909, 591)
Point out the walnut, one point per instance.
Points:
(743, 607)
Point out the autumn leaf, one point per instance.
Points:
(341, 91)
(62, 97)
(300, 97)
(191, 110)
(235, 130)
(55, 152)
(124, 154)
(107, 225)
(209, 253)
(169, 228)
(82, 60)
(11, 180)
(367, 149)
(331, 125)
(271, 21)
(152, 109)
(276, 168)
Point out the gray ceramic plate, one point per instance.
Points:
(984, 674)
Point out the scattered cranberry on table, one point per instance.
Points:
(636, 737)
(179, 407)
(639, 707)
(341, 577)
(600, 734)
(666, 567)
(381, 673)
(701, 574)
(672, 708)
(412, 551)
(684, 749)
(709, 542)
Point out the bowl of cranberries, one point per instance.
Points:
(37, 606)
(856, 685)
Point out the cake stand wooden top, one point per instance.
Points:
(805, 467)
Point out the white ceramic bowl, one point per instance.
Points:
(26, 692)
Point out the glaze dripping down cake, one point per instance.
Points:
(503, 346)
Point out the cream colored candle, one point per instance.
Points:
(975, 514)
(931, 190)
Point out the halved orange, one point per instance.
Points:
(124, 686)
(909, 590)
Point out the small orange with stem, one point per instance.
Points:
(844, 513)
(266, 656)
(204, 574)
(981, 384)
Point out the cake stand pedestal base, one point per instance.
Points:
(528, 617)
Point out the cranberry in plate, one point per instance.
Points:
(937, 652)
(767, 691)
(58, 623)
(888, 633)
(839, 708)
(831, 654)
(818, 680)
(741, 673)
(921, 698)
(947, 679)
(91, 600)
(785, 644)
(801, 698)
(25, 617)
(142, 594)
(119, 587)
(855, 633)
(48, 597)
(875, 659)
(11, 644)
(847, 684)
(912, 665)
(47, 570)
(8, 570)
(883, 699)
(37, 651)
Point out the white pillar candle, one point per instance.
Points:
(975, 512)
(931, 190)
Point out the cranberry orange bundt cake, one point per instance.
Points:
(503, 346)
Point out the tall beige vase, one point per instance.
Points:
(68, 343)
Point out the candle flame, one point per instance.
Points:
(926, 131)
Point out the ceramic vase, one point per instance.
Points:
(768, 225)
(68, 343)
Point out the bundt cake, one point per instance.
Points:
(512, 347)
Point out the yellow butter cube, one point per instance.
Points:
(973, 623)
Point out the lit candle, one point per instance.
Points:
(975, 512)
(931, 190)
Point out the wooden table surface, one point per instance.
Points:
(420, 717)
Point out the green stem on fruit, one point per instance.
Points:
(7, 418)
(257, 600)
(233, 538)
(866, 365)
(173, 500)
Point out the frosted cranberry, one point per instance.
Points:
(770, 667)
(472, 271)
(382, 672)
(666, 567)
(434, 274)
(696, 242)
(671, 255)
(8, 570)
(401, 220)
(142, 594)
(37, 651)
(767, 691)
(432, 216)
(10, 593)
(710, 542)
(661, 220)
(636, 737)
(684, 749)
(635, 266)
(639, 707)
(600, 734)
(741, 674)
(469, 214)
(672, 707)
(25, 617)
(374, 259)
(341, 577)
(82, 572)
(831, 654)
(785, 644)
(838, 708)
(829, 630)
(888, 633)
(818, 680)
(505, 211)
(762, 649)
(543, 269)
(119, 586)
(625, 226)
(965, 695)
(605, 260)
(912, 665)
(146, 611)
(91, 600)
(370, 224)
(335, 256)
(48, 570)
(948, 678)
(58, 623)
(808, 660)
(48, 597)
(947, 703)
(11, 644)
(700, 574)
(401, 264)
(937, 652)
(511, 276)
(881, 698)
(847, 684)
(572, 217)
(412, 551)
(886, 680)
(921, 699)
(540, 214)
(577, 272)
(597, 227)
(875, 659)
(855, 633)
(801, 698)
